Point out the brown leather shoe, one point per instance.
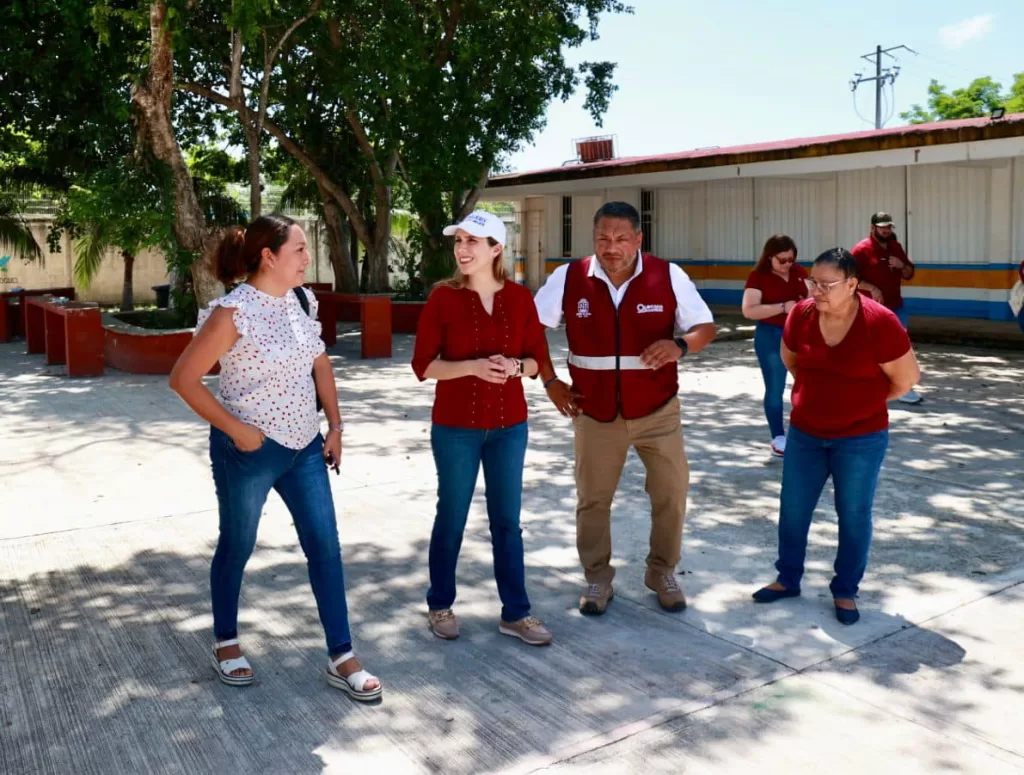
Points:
(444, 624)
(670, 596)
(529, 630)
(595, 600)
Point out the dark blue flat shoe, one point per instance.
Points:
(766, 595)
(847, 616)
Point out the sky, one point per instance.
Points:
(697, 74)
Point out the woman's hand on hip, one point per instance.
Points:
(248, 438)
(489, 371)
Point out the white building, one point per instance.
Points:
(955, 190)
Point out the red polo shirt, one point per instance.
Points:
(775, 290)
(873, 265)
(841, 391)
(454, 326)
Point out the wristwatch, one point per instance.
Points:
(682, 345)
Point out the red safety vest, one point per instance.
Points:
(605, 344)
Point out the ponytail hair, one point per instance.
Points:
(241, 250)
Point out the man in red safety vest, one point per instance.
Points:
(629, 318)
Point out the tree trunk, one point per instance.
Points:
(252, 137)
(437, 262)
(127, 292)
(346, 280)
(152, 98)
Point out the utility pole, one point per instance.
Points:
(880, 77)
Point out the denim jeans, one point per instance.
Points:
(243, 481)
(854, 464)
(768, 346)
(1020, 319)
(458, 453)
(904, 317)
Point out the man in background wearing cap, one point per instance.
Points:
(629, 319)
(883, 266)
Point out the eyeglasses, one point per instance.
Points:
(784, 260)
(814, 286)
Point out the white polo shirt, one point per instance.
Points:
(690, 307)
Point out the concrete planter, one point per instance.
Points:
(405, 316)
(138, 350)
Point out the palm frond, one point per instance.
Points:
(89, 252)
(15, 234)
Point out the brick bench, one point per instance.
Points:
(69, 333)
(13, 309)
(374, 315)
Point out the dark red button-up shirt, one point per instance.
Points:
(874, 267)
(454, 326)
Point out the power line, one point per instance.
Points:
(881, 77)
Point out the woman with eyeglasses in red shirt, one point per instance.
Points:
(849, 357)
(772, 290)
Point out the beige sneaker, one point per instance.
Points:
(670, 596)
(444, 624)
(595, 600)
(528, 630)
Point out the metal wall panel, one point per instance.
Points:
(673, 223)
(792, 207)
(949, 214)
(1018, 210)
(729, 220)
(860, 193)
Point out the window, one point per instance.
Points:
(647, 220)
(567, 226)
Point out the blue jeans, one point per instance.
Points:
(458, 453)
(904, 317)
(1020, 319)
(854, 464)
(768, 346)
(243, 481)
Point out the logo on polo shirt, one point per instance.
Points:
(583, 309)
(642, 308)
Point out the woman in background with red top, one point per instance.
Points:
(772, 290)
(479, 334)
(849, 356)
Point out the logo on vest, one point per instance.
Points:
(642, 308)
(583, 309)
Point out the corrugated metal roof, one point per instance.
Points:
(938, 133)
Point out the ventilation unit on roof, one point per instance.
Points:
(591, 149)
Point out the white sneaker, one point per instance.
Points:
(779, 446)
(910, 397)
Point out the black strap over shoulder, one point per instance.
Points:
(303, 299)
(304, 303)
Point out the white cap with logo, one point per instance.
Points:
(480, 223)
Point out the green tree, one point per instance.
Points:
(15, 234)
(976, 100)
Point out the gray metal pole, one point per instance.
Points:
(878, 87)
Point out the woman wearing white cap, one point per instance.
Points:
(478, 335)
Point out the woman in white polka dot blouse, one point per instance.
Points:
(265, 433)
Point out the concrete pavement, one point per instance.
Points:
(109, 522)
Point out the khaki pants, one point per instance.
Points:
(601, 450)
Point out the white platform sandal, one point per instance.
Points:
(353, 685)
(225, 667)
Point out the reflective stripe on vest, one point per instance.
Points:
(605, 362)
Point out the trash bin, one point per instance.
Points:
(163, 295)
